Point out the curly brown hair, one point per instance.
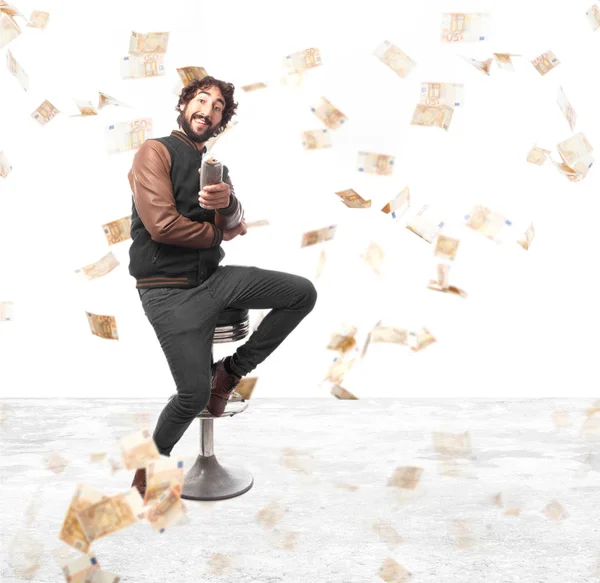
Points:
(191, 89)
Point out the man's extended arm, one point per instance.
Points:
(231, 216)
(153, 197)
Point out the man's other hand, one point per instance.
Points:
(215, 196)
(232, 233)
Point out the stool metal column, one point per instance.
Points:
(207, 479)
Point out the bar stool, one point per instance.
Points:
(207, 479)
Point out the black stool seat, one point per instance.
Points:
(232, 325)
(231, 316)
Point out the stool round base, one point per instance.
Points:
(209, 480)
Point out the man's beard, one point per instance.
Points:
(203, 136)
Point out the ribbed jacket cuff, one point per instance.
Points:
(229, 210)
(218, 237)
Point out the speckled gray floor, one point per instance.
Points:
(324, 466)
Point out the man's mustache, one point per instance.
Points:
(202, 118)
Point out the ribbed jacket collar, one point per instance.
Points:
(184, 138)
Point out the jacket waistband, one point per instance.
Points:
(185, 281)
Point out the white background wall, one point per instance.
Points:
(530, 324)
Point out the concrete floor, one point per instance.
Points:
(321, 470)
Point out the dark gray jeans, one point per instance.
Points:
(185, 319)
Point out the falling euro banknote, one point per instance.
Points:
(396, 59)
(446, 247)
(398, 206)
(372, 163)
(537, 155)
(138, 449)
(464, 27)
(167, 510)
(489, 223)
(576, 155)
(188, 74)
(162, 474)
(545, 62)
(483, 66)
(127, 135)
(142, 66)
(301, 61)
(118, 231)
(253, 87)
(71, 531)
(111, 514)
(428, 116)
(316, 139)
(45, 113)
(526, 239)
(99, 268)
(9, 29)
(352, 199)
(330, 115)
(318, 236)
(103, 326)
(38, 19)
(5, 165)
(104, 100)
(17, 70)
(436, 94)
(504, 61)
(79, 569)
(593, 16)
(426, 224)
(146, 43)
(566, 108)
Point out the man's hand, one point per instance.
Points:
(215, 196)
(232, 233)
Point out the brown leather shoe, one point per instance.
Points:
(139, 481)
(223, 384)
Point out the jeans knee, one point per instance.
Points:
(194, 404)
(309, 293)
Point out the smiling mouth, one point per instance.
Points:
(201, 122)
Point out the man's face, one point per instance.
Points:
(203, 113)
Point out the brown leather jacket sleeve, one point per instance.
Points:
(153, 197)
